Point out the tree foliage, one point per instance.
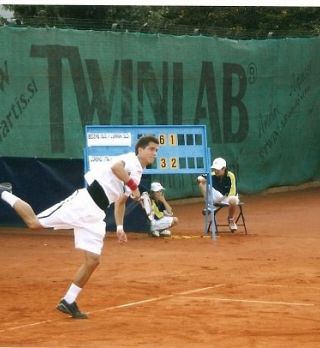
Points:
(239, 22)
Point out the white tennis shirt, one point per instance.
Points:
(112, 186)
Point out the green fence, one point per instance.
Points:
(258, 98)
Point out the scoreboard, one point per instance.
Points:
(183, 149)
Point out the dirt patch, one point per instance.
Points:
(255, 290)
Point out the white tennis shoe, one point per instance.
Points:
(232, 225)
(5, 186)
(165, 233)
(155, 234)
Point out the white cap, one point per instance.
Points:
(219, 163)
(156, 186)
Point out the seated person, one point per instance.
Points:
(159, 211)
(223, 188)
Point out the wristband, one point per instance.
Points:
(132, 185)
(119, 228)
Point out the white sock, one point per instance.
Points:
(72, 293)
(9, 198)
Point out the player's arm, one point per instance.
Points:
(120, 172)
(119, 210)
(168, 209)
(202, 179)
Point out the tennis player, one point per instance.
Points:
(84, 212)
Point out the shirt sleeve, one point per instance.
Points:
(233, 188)
(133, 167)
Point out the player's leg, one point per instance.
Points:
(155, 227)
(175, 221)
(22, 208)
(85, 271)
(166, 232)
(25, 211)
(68, 304)
(163, 225)
(88, 238)
(233, 202)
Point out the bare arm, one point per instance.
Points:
(167, 206)
(119, 210)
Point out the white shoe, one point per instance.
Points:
(165, 233)
(155, 234)
(5, 186)
(232, 225)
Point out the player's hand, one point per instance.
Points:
(160, 196)
(122, 237)
(135, 195)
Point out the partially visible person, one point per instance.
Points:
(84, 212)
(159, 211)
(224, 188)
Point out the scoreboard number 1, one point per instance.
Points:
(172, 139)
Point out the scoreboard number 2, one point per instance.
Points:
(174, 163)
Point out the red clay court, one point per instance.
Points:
(255, 290)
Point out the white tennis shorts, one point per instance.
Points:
(80, 213)
(162, 224)
(218, 197)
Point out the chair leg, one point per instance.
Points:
(215, 223)
(243, 219)
(240, 216)
(209, 227)
(215, 220)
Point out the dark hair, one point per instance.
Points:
(145, 141)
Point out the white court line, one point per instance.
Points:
(131, 304)
(285, 286)
(125, 305)
(253, 301)
(28, 325)
(198, 290)
(160, 298)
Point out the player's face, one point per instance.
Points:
(219, 172)
(158, 194)
(148, 154)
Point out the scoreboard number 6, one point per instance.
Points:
(162, 139)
